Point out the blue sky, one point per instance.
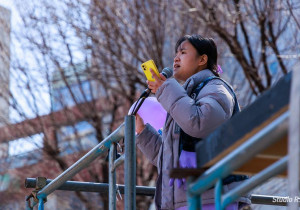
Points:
(6, 3)
(22, 145)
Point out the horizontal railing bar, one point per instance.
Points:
(257, 179)
(261, 140)
(91, 187)
(83, 162)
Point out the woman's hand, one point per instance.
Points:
(153, 86)
(139, 124)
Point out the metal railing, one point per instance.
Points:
(126, 130)
(101, 188)
(214, 175)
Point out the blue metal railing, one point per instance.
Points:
(127, 130)
(101, 188)
(213, 176)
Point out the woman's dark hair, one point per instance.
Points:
(203, 46)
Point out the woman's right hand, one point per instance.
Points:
(139, 124)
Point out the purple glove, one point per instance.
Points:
(186, 160)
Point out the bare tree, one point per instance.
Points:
(79, 61)
(85, 57)
(255, 32)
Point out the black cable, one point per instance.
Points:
(140, 101)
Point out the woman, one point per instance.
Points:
(195, 61)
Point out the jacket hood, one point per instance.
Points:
(197, 78)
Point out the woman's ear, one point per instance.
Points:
(203, 59)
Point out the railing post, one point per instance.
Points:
(194, 200)
(130, 163)
(294, 140)
(112, 177)
(218, 194)
(41, 204)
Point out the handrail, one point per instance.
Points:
(261, 140)
(274, 169)
(91, 187)
(270, 134)
(142, 190)
(82, 163)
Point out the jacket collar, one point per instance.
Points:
(196, 79)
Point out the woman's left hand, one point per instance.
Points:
(139, 124)
(153, 86)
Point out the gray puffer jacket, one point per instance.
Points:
(212, 107)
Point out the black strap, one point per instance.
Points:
(196, 91)
(187, 142)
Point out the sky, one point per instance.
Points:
(22, 145)
(5, 3)
(19, 146)
(8, 4)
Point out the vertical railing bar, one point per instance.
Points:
(218, 195)
(112, 177)
(41, 204)
(130, 163)
(194, 201)
(294, 140)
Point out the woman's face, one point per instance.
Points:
(186, 62)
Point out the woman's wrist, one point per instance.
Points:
(139, 129)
